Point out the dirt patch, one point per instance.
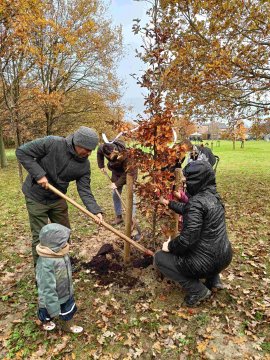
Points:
(107, 267)
(88, 247)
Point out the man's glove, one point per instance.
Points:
(165, 246)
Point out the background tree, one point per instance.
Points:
(236, 131)
(17, 21)
(52, 54)
(219, 56)
(77, 48)
(3, 158)
(241, 132)
(214, 130)
(260, 128)
(184, 127)
(89, 108)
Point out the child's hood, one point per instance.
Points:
(54, 236)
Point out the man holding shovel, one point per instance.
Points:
(58, 161)
(118, 162)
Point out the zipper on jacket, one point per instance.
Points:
(69, 280)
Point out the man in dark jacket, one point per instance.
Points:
(202, 153)
(202, 250)
(119, 164)
(56, 160)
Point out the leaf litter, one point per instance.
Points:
(134, 307)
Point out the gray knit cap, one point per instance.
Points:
(54, 236)
(85, 137)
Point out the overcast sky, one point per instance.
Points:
(123, 12)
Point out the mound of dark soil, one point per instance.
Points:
(105, 249)
(108, 268)
(143, 262)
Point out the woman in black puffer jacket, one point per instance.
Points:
(202, 250)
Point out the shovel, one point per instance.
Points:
(138, 235)
(103, 223)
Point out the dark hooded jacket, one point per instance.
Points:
(119, 166)
(55, 158)
(203, 248)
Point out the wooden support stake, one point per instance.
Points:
(128, 222)
(178, 186)
(103, 223)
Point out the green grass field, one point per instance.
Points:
(147, 321)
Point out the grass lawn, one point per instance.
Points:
(145, 320)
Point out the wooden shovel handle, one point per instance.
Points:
(103, 223)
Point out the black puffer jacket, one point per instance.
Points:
(203, 248)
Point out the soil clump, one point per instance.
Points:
(107, 267)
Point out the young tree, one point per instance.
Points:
(205, 60)
(155, 126)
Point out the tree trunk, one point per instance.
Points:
(178, 186)
(3, 157)
(17, 136)
(49, 121)
(154, 222)
(128, 221)
(48, 128)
